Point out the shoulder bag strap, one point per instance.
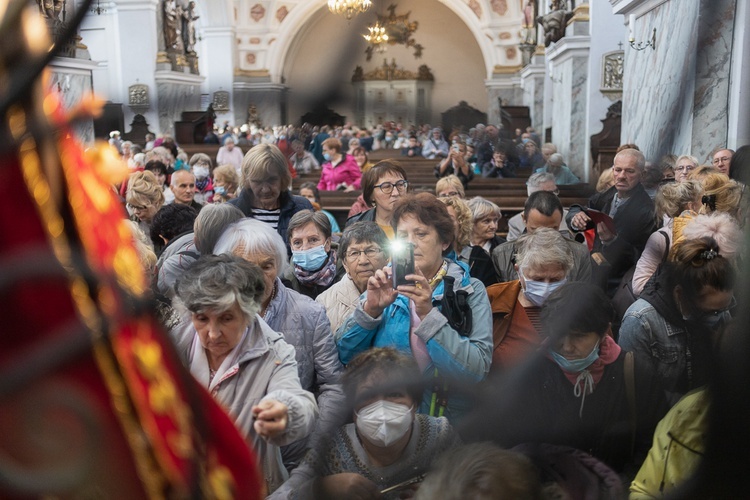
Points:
(629, 369)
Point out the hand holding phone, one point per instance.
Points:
(402, 258)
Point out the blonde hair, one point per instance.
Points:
(228, 174)
(463, 219)
(143, 247)
(144, 190)
(704, 170)
(450, 181)
(722, 194)
(606, 180)
(265, 160)
(672, 199)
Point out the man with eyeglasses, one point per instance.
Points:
(363, 249)
(721, 159)
(632, 210)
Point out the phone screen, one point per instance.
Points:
(402, 263)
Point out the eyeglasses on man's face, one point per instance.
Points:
(684, 168)
(387, 187)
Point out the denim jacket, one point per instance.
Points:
(461, 358)
(648, 334)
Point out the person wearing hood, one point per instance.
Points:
(543, 262)
(675, 320)
(576, 392)
(450, 339)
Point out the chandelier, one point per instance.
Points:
(377, 36)
(349, 8)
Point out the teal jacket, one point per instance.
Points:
(462, 359)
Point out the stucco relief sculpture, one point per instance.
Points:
(555, 22)
(612, 72)
(138, 95)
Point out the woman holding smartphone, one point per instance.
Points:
(441, 317)
(455, 164)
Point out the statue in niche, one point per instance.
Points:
(188, 28)
(359, 74)
(555, 22)
(528, 29)
(51, 9)
(253, 118)
(172, 26)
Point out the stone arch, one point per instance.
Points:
(304, 12)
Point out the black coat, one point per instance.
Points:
(635, 221)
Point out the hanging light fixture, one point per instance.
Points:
(349, 8)
(377, 36)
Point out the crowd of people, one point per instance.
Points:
(410, 344)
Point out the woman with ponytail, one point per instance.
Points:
(674, 321)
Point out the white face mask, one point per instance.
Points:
(383, 423)
(200, 172)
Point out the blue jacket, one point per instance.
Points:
(462, 359)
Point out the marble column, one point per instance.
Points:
(268, 98)
(219, 42)
(72, 79)
(532, 83)
(713, 65)
(568, 70)
(739, 90)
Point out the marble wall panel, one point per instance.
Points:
(73, 87)
(173, 99)
(577, 150)
(537, 117)
(713, 64)
(659, 85)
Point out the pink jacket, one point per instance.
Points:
(346, 171)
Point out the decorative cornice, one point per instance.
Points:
(252, 73)
(506, 70)
(581, 13)
(175, 77)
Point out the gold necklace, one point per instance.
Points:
(439, 275)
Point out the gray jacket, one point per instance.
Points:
(304, 325)
(503, 257)
(178, 255)
(265, 370)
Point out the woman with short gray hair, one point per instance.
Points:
(246, 366)
(265, 192)
(302, 322)
(314, 258)
(542, 262)
(483, 240)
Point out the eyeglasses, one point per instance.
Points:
(685, 168)
(723, 159)
(708, 314)
(387, 187)
(448, 194)
(136, 208)
(368, 252)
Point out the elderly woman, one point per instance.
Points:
(460, 212)
(363, 249)
(448, 337)
(340, 171)
(226, 183)
(246, 366)
(144, 198)
(671, 201)
(449, 186)
(313, 268)
(202, 166)
(683, 166)
(301, 321)
(382, 186)
(310, 191)
(483, 240)
(577, 392)
(672, 324)
(543, 261)
(389, 444)
(265, 189)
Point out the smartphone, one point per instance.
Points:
(456, 148)
(402, 263)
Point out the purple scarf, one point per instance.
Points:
(323, 276)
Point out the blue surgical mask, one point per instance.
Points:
(327, 156)
(538, 291)
(575, 365)
(311, 259)
(219, 190)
